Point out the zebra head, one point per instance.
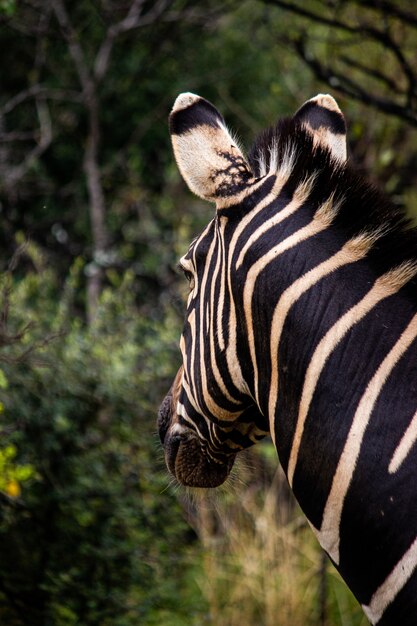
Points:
(213, 410)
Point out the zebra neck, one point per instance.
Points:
(335, 358)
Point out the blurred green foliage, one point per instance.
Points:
(86, 538)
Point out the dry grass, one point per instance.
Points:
(262, 565)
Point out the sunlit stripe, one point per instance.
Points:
(403, 449)
(300, 196)
(352, 251)
(220, 306)
(231, 350)
(194, 403)
(213, 434)
(213, 438)
(213, 280)
(190, 387)
(280, 179)
(329, 532)
(321, 220)
(182, 411)
(384, 287)
(392, 585)
(199, 346)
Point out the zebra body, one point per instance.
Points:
(302, 322)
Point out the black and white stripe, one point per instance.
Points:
(302, 321)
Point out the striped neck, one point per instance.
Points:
(330, 334)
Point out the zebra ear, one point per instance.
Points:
(208, 158)
(325, 121)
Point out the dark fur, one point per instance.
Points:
(318, 116)
(199, 113)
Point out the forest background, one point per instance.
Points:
(94, 217)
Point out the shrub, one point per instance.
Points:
(85, 535)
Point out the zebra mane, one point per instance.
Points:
(363, 208)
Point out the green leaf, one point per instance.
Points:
(7, 7)
(3, 380)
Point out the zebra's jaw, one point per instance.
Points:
(185, 457)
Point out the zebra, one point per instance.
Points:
(301, 323)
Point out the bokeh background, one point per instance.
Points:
(94, 217)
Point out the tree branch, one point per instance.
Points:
(33, 91)
(97, 205)
(351, 88)
(17, 136)
(131, 21)
(39, 90)
(372, 73)
(314, 17)
(16, 173)
(74, 47)
(402, 98)
(390, 9)
(134, 19)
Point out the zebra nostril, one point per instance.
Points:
(164, 417)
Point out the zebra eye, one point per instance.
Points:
(188, 275)
(190, 279)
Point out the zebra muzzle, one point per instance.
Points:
(185, 455)
(190, 465)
